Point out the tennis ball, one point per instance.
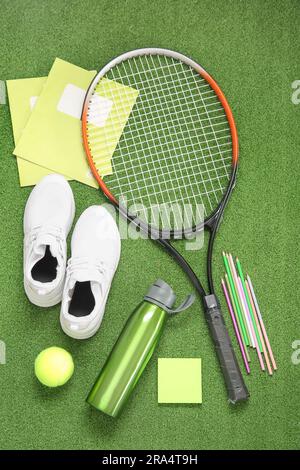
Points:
(54, 367)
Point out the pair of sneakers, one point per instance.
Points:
(82, 284)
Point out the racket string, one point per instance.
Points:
(148, 149)
(217, 141)
(200, 147)
(169, 162)
(153, 180)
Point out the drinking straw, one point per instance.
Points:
(234, 293)
(259, 330)
(236, 315)
(262, 323)
(236, 328)
(244, 313)
(239, 267)
(242, 294)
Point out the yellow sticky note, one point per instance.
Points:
(23, 95)
(179, 380)
(52, 137)
(110, 107)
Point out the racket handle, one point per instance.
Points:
(237, 390)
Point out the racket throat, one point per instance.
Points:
(184, 265)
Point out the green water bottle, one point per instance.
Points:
(134, 348)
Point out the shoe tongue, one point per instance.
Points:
(39, 250)
(87, 274)
(81, 276)
(42, 242)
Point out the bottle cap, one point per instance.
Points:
(161, 294)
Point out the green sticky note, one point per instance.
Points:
(52, 137)
(179, 380)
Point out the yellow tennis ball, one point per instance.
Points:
(54, 367)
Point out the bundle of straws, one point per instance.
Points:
(246, 316)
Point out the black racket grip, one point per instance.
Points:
(237, 390)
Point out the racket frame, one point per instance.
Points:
(209, 221)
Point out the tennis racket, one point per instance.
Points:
(179, 148)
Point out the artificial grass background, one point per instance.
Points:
(252, 49)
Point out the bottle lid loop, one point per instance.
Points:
(161, 294)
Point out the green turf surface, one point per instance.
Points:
(252, 49)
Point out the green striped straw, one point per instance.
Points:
(236, 316)
(240, 300)
(240, 317)
(239, 268)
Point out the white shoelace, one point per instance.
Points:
(96, 267)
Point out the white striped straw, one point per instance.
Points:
(262, 324)
(259, 329)
(242, 295)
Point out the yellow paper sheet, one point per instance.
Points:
(52, 137)
(22, 95)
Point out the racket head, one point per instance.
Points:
(178, 100)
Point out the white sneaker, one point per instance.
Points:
(48, 217)
(96, 248)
